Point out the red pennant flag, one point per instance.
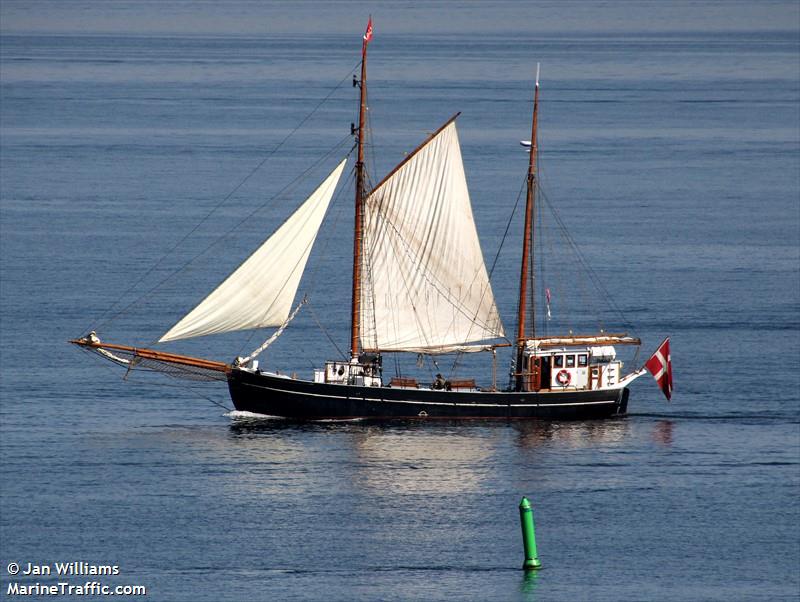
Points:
(368, 33)
(660, 366)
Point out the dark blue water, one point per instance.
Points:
(670, 138)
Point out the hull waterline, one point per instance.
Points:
(290, 398)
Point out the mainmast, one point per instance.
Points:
(527, 268)
(357, 231)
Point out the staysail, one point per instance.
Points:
(260, 292)
(426, 287)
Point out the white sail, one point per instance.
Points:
(426, 287)
(261, 290)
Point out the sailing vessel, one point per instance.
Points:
(419, 285)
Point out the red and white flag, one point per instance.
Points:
(368, 33)
(660, 366)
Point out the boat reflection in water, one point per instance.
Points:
(411, 456)
(571, 434)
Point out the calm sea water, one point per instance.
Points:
(670, 139)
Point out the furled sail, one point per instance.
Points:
(426, 287)
(260, 292)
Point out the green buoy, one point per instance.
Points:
(528, 536)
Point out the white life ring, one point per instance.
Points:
(564, 378)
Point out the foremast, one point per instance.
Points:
(355, 314)
(527, 271)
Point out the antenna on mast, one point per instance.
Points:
(537, 75)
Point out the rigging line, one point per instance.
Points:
(404, 276)
(367, 279)
(369, 148)
(269, 306)
(519, 196)
(398, 245)
(541, 302)
(584, 297)
(229, 195)
(285, 191)
(223, 236)
(313, 275)
(497, 254)
(592, 275)
(565, 235)
(531, 276)
(395, 243)
(513, 356)
(369, 144)
(417, 317)
(196, 392)
(545, 246)
(103, 362)
(323, 252)
(371, 298)
(368, 286)
(414, 257)
(508, 227)
(323, 329)
(539, 245)
(219, 239)
(313, 278)
(585, 300)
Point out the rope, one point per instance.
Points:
(540, 239)
(312, 280)
(196, 392)
(275, 335)
(268, 308)
(324, 330)
(593, 277)
(106, 321)
(313, 272)
(323, 252)
(108, 366)
(457, 359)
(402, 247)
(220, 238)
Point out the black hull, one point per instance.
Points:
(279, 396)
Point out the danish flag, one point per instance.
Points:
(660, 366)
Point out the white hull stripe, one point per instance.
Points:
(442, 403)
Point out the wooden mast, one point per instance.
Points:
(355, 316)
(527, 268)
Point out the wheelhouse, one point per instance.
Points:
(557, 365)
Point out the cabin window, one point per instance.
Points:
(558, 361)
(570, 361)
(583, 360)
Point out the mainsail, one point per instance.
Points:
(426, 285)
(259, 293)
